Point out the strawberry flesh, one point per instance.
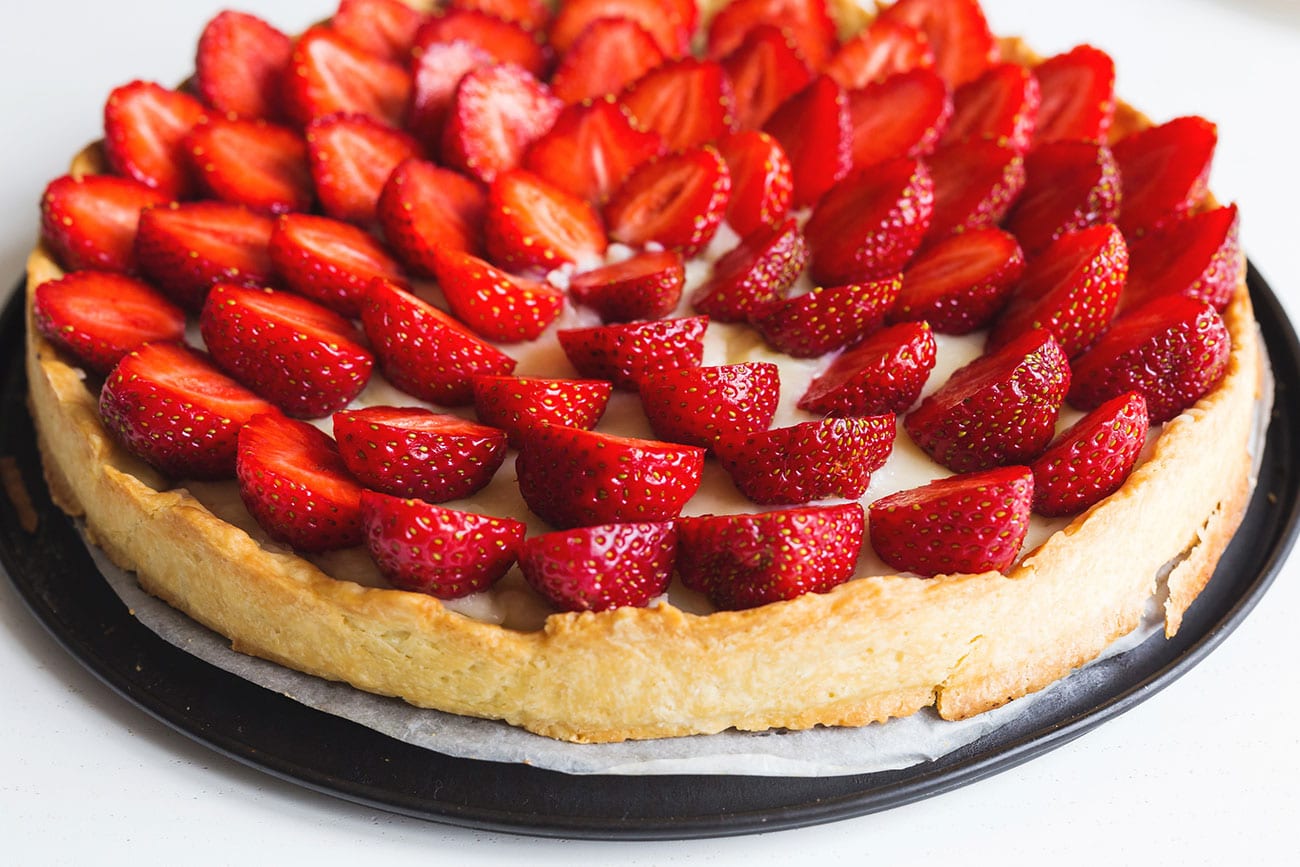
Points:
(1091, 460)
(827, 318)
(497, 112)
(591, 150)
(608, 55)
(1197, 256)
(807, 21)
(659, 18)
(957, 31)
(696, 405)
(816, 133)
(506, 41)
(435, 75)
(1068, 186)
(529, 14)
(1164, 170)
(328, 261)
(627, 353)
(687, 102)
(352, 157)
(531, 224)
(1000, 106)
(185, 249)
(601, 568)
(883, 49)
(676, 201)
(328, 74)
(496, 305)
(975, 184)
(754, 274)
(424, 208)
(384, 28)
(252, 163)
(961, 283)
(517, 404)
(765, 70)
(645, 286)
(240, 66)
(884, 373)
(762, 182)
(901, 116)
(145, 126)
(1078, 96)
(90, 221)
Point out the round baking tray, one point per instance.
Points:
(52, 571)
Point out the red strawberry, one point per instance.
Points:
(506, 41)
(971, 523)
(497, 112)
(98, 317)
(529, 14)
(352, 157)
(1197, 256)
(422, 350)
(998, 410)
(171, 407)
(607, 56)
(591, 150)
(677, 201)
(329, 261)
(533, 224)
(304, 358)
(1069, 186)
(144, 126)
(884, 373)
(765, 70)
(743, 561)
(1078, 96)
(385, 28)
(960, 283)
(435, 75)
(957, 31)
(626, 354)
(185, 249)
(870, 225)
(975, 184)
(496, 305)
(1164, 171)
(442, 552)
(1173, 349)
(424, 208)
(1093, 458)
(646, 286)
(240, 66)
(90, 221)
(687, 102)
(599, 568)
(517, 404)
(753, 274)
(411, 452)
(827, 318)
(252, 163)
(815, 131)
(809, 25)
(902, 116)
(762, 182)
(882, 49)
(834, 457)
(694, 405)
(328, 75)
(579, 478)
(1000, 106)
(659, 18)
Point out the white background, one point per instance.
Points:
(1207, 771)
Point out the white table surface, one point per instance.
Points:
(1206, 771)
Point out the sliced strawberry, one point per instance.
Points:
(902, 116)
(328, 75)
(607, 56)
(961, 283)
(1000, 106)
(498, 111)
(411, 452)
(445, 553)
(998, 410)
(517, 404)
(827, 318)
(506, 41)
(1173, 349)
(251, 162)
(422, 350)
(352, 157)
(1164, 170)
(765, 70)
(496, 305)
(762, 182)
(98, 317)
(170, 406)
(626, 354)
(424, 208)
(646, 286)
(1091, 460)
(1068, 186)
(659, 18)
(304, 358)
(591, 150)
(695, 405)
(1078, 96)
(329, 261)
(971, 523)
(144, 127)
(1197, 256)
(677, 201)
(90, 221)
(816, 133)
(599, 568)
(580, 478)
(688, 102)
(1070, 289)
(240, 66)
(743, 561)
(975, 184)
(808, 22)
(871, 224)
(435, 76)
(884, 373)
(385, 28)
(529, 14)
(957, 31)
(882, 49)
(185, 249)
(754, 274)
(533, 224)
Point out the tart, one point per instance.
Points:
(815, 200)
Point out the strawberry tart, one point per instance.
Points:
(638, 368)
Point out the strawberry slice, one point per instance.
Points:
(807, 21)
(1173, 349)
(600, 568)
(607, 56)
(688, 102)
(437, 71)
(412, 452)
(971, 523)
(957, 31)
(517, 404)
(330, 262)
(98, 317)
(1197, 256)
(185, 249)
(304, 358)
(626, 354)
(529, 14)
(328, 74)
(422, 350)
(695, 405)
(591, 150)
(506, 41)
(902, 116)
(1000, 409)
(834, 457)
(762, 181)
(251, 162)
(816, 133)
(961, 283)
(498, 111)
(754, 274)
(90, 221)
(882, 49)
(871, 224)
(659, 18)
(240, 66)
(1091, 460)
(170, 406)
(384, 28)
(646, 286)
(424, 548)
(144, 127)
(765, 70)
(827, 318)
(352, 157)
(1068, 186)
(424, 208)
(533, 224)
(1165, 170)
(496, 305)
(580, 478)
(975, 184)
(744, 561)
(1000, 106)
(676, 201)
(1078, 96)
(884, 373)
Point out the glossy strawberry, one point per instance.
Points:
(351, 158)
(676, 201)
(529, 14)
(754, 274)
(644, 286)
(807, 21)
(329, 261)
(687, 102)
(1078, 96)
(90, 221)
(384, 28)
(240, 66)
(144, 127)
(185, 249)
(424, 208)
(815, 131)
(765, 70)
(1164, 171)
(531, 224)
(603, 567)
(607, 56)
(437, 71)
(827, 318)
(762, 182)
(1000, 106)
(496, 114)
(695, 405)
(975, 184)
(1068, 186)
(901, 116)
(328, 74)
(625, 354)
(957, 31)
(591, 150)
(517, 404)
(961, 283)
(659, 18)
(1091, 460)
(883, 373)
(880, 50)
(1198, 256)
(252, 163)
(496, 305)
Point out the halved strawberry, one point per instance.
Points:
(579, 478)
(529, 14)
(422, 350)
(531, 224)
(607, 56)
(506, 41)
(765, 70)
(144, 127)
(961, 283)
(743, 561)
(412, 452)
(882, 49)
(688, 102)
(998, 410)
(754, 274)
(1164, 171)
(970, 523)
(816, 133)
(975, 184)
(437, 71)
(808, 22)
(442, 552)
(251, 162)
(328, 75)
(517, 404)
(1197, 256)
(827, 318)
(496, 305)
(1091, 460)
(626, 354)
(185, 249)
(884, 373)
(385, 28)
(329, 261)
(497, 112)
(591, 150)
(424, 208)
(1000, 106)
(1173, 350)
(957, 31)
(762, 182)
(1068, 186)
(304, 358)
(240, 66)
(659, 18)
(695, 405)
(677, 201)
(170, 406)
(1078, 96)
(645, 286)
(901, 116)
(98, 317)
(603, 567)
(90, 221)
(352, 157)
